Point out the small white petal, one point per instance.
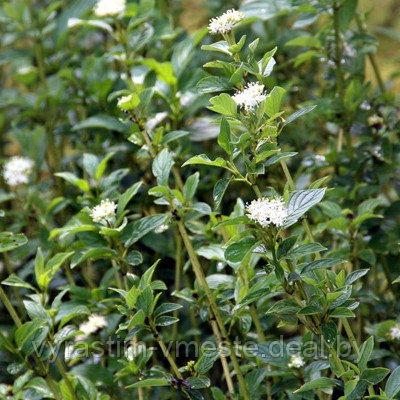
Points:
(105, 8)
(225, 22)
(18, 170)
(267, 211)
(296, 362)
(103, 212)
(250, 97)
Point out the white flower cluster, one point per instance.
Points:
(92, 325)
(225, 22)
(394, 332)
(17, 170)
(375, 120)
(105, 8)
(267, 211)
(104, 211)
(250, 97)
(162, 228)
(296, 362)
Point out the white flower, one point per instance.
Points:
(162, 228)
(225, 22)
(26, 70)
(394, 332)
(17, 170)
(375, 120)
(92, 325)
(296, 362)
(250, 97)
(105, 8)
(267, 211)
(365, 105)
(104, 211)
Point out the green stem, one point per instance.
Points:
(11, 310)
(224, 362)
(14, 316)
(214, 308)
(67, 381)
(178, 273)
(53, 387)
(165, 351)
(362, 28)
(335, 358)
(339, 73)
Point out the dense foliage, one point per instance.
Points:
(197, 215)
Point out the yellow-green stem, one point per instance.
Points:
(214, 308)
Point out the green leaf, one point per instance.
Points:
(40, 386)
(10, 241)
(166, 320)
(353, 276)
(145, 300)
(318, 383)
(374, 375)
(162, 165)
(132, 296)
(305, 249)
(342, 312)
(16, 281)
(304, 41)
(102, 166)
(74, 180)
(278, 157)
(365, 353)
(126, 197)
(211, 84)
(286, 306)
(134, 258)
(206, 361)
(224, 137)
(202, 159)
(219, 191)
(221, 47)
(166, 308)
(73, 9)
(215, 280)
(298, 114)
(190, 187)
(329, 332)
(300, 202)
(101, 121)
(75, 312)
(237, 251)
(285, 246)
(174, 135)
(223, 104)
(164, 70)
(311, 310)
(321, 263)
(137, 229)
(150, 383)
(200, 382)
(92, 254)
(45, 275)
(30, 335)
(346, 14)
(90, 163)
(392, 388)
(217, 394)
(137, 320)
(273, 101)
